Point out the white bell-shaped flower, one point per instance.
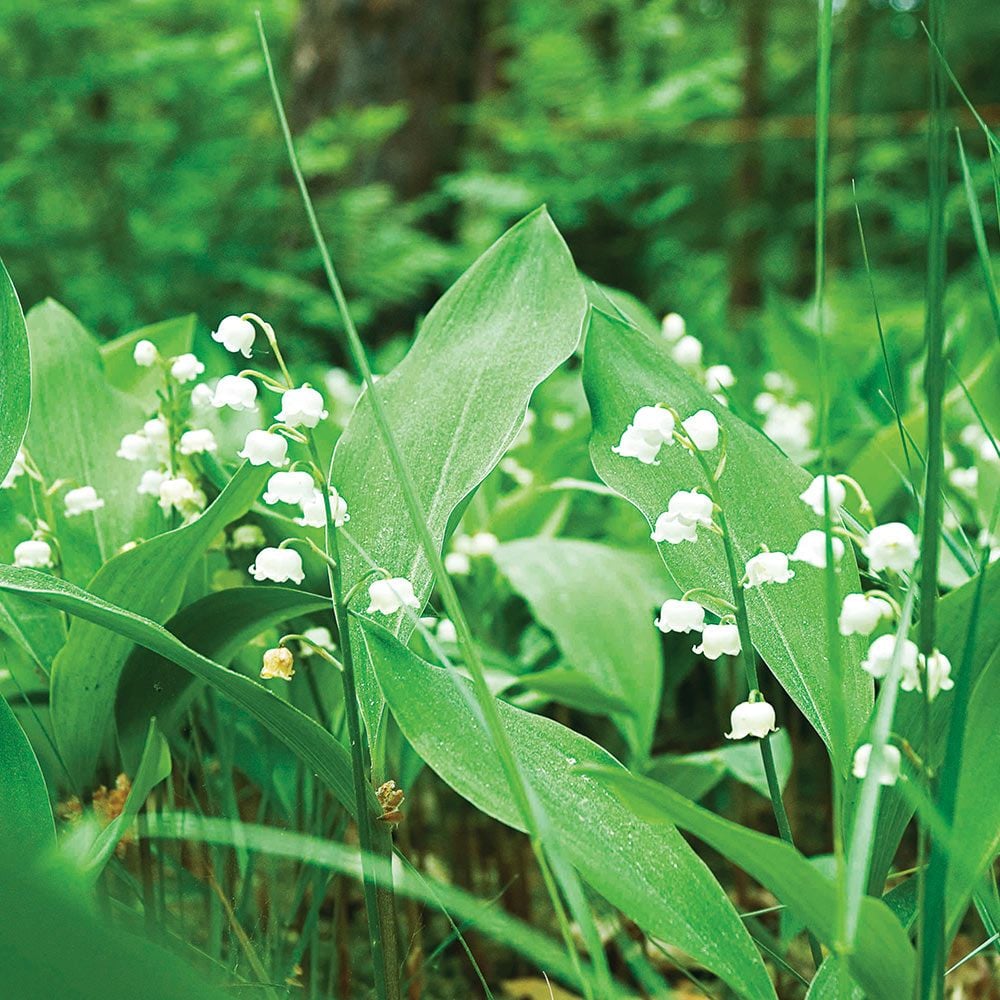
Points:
(482, 543)
(186, 368)
(789, 427)
(34, 553)
(202, 396)
(937, 667)
(719, 640)
(177, 493)
(673, 327)
(446, 631)
(82, 500)
(321, 636)
(811, 549)
(655, 424)
(703, 430)
(277, 664)
(458, 564)
(768, 567)
(860, 614)
(634, 444)
(673, 529)
(145, 354)
(236, 334)
(887, 772)
(135, 448)
(151, 481)
(813, 495)
(302, 407)
(879, 659)
(157, 431)
(264, 448)
(680, 616)
(751, 718)
(687, 351)
(290, 487)
(691, 506)
(719, 377)
(388, 596)
(891, 546)
(964, 480)
(314, 510)
(247, 536)
(15, 472)
(236, 392)
(197, 442)
(279, 565)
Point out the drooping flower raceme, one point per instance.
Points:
(186, 368)
(751, 718)
(197, 442)
(145, 354)
(302, 407)
(388, 596)
(703, 430)
(813, 495)
(278, 565)
(82, 500)
(879, 660)
(290, 487)
(891, 546)
(314, 510)
(236, 392)
(263, 448)
(811, 548)
(681, 616)
(767, 567)
(860, 614)
(719, 640)
(236, 335)
(887, 772)
(278, 663)
(34, 553)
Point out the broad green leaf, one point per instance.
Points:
(649, 872)
(26, 822)
(77, 422)
(171, 336)
(217, 626)
(760, 488)
(316, 747)
(827, 983)
(883, 959)
(455, 403)
(15, 373)
(569, 687)
(150, 581)
(599, 603)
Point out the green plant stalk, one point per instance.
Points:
(528, 806)
(930, 926)
(748, 656)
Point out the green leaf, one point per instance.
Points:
(26, 822)
(599, 603)
(827, 984)
(15, 373)
(77, 422)
(760, 488)
(648, 872)
(217, 626)
(150, 581)
(883, 959)
(312, 744)
(171, 336)
(455, 403)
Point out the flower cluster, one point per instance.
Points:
(687, 351)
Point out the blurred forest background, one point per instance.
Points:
(143, 175)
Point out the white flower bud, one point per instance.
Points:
(764, 402)
(33, 554)
(891, 546)
(719, 377)
(673, 529)
(177, 493)
(719, 640)
(156, 430)
(458, 564)
(938, 669)
(314, 510)
(861, 614)
(197, 442)
(152, 480)
(16, 471)
(82, 501)
(236, 392)
(247, 536)
(813, 495)
(789, 428)
(887, 772)
(388, 596)
(681, 616)
(134, 448)
(145, 354)
(302, 407)
(235, 334)
(482, 543)
(290, 487)
(279, 565)
(687, 352)
(812, 549)
(703, 430)
(186, 368)
(673, 327)
(202, 396)
(879, 660)
(778, 382)
(751, 718)
(446, 631)
(263, 448)
(768, 567)
(320, 636)
(964, 480)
